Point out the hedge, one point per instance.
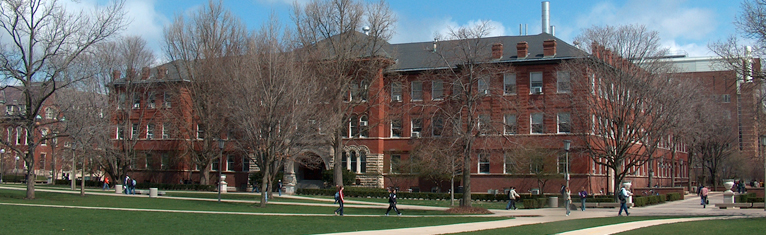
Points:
(748, 198)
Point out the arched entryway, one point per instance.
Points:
(309, 168)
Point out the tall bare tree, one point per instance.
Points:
(271, 95)
(345, 60)
(626, 99)
(204, 49)
(44, 40)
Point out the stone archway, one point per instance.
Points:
(308, 169)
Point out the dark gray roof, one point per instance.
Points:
(420, 55)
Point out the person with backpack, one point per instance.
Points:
(567, 199)
(623, 196)
(703, 196)
(583, 195)
(337, 195)
(340, 201)
(126, 188)
(512, 195)
(392, 202)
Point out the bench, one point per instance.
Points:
(146, 192)
(741, 205)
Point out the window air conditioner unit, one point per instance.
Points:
(397, 98)
(363, 123)
(415, 134)
(537, 90)
(485, 92)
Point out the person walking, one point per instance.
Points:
(623, 196)
(703, 196)
(512, 196)
(126, 188)
(392, 202)
(279, 187)
(106, 184)
(567, 199)
(340, 201)
(583, 195)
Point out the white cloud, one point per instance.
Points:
(427, 30)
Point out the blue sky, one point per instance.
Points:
(685, 26)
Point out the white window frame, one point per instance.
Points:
(509, 84)
(416, 91)
(532, 123)
(134, 131)
(533, 83)
(165, 134)
(150, 131)
(200, 131)
(506, 125)
(483, 84)
(396, 92)
(507, 159)
(437, 90)
(231, 162)
(563, 118)
(151, 100)
(484, 156)
(416, 130)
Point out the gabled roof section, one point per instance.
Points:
(167, 72)
(420, 55)
(365, 45)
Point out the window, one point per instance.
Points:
(200, 131)
(509, 122)
(485, 124)
(362, 162)
(9, 110)
(396, 128)
(245, 164)
(457, 89)
(49, 113)
(216, 165)
(437, 90)
(148, 162)
(484, 163)
(563, 82)
(165, 161)
(536, 83)
(20, 136)
(437, 126)
(354, 160)
(564, 123)
(344, 160)
(536, 123)
(396, 91)
(562, 163)
(396, 161)
(416, 88)
(134, 131)
(9, 133)
(536, 165)
(151, 100)
(510, 165)
(353, 123)
(362, 94)
(229, 163)
(417, 127)
(165, 131)
(166, 100)
(363, 126)
(121, 101)
(42, 161)
(726, 98)
(483, 85)
(509, 84)
(136, 100)
(120, 133)
(150, 131)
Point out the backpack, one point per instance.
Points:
(337, 196)
(131, 183)
(621, 196)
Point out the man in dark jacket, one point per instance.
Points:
(392, 202)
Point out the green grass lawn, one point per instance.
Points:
(723, 226)
(20, 220)
(569, 225)
(442, 203)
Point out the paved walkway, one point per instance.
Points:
(689, 207)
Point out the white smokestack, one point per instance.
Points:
(546, 17)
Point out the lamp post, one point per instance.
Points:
(220, 167)
(15, 166)
(2, 168)
(567, 143)
(763, 143)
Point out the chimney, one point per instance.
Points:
(521, 50)
(145, 73)
(546, 17)
(131, 73)
(116, 74)
(161, 72)
(549, 48)
(497, 51)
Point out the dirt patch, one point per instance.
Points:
(468, 210)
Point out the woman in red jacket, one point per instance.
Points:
(340, 201)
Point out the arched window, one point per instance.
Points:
(354, 160)
(362, 162)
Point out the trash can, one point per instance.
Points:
(118, 189)
(152, 192)
(553, 202)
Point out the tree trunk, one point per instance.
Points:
(337, 166)
(265, 184)
(204, 179)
